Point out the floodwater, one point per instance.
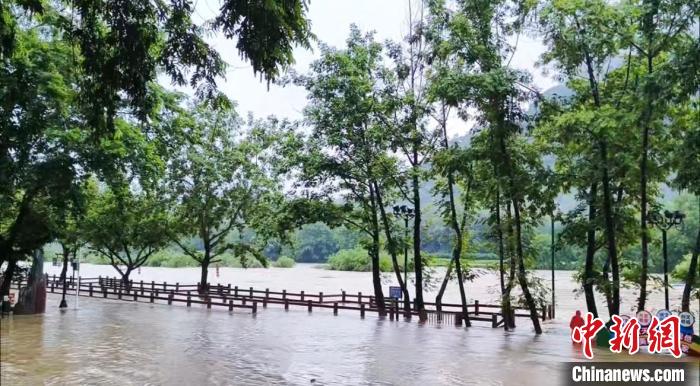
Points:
(113, 342)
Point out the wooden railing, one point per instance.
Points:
(233, 297)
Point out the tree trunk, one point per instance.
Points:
(510, 323)
(607, 194)
(204, 275)
(522, 278)
(62, 279)
(392, 250)
(7, 276)
(610, 231)
(643, 277)
(691, 276)
(374, 255)
(125, 278)
(443, 286)
(499, 237)
(590, 253)
(417, 260)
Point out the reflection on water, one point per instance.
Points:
(112, 342)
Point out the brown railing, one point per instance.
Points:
(249, 298)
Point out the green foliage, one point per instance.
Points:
(221, 180)
(356, 260)
(126, 228)
(284, 262)
(680, 272)
(313, 243)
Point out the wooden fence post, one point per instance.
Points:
(302, 296)
(343, 296)
(310, 305)
(286, 304)
(151, 297)
(267, 293)
(153, 285)
(189, 299)
(264, 302)
(320, 297)
(119, 294)
(208, 302)
(362, 310)
(284, 294)
(170, 298)
(177, 286)
(476, 307)
(494, 320)
(255, 307)
(250, 292)
(235, 291)
(136, 296)
(141, 287)
(165, 286)
(359, 297)
(230, 305)
(335, 308)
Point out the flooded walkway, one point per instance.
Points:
(124, 343)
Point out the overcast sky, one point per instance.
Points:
(330, 21)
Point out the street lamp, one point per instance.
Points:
(665, 222)
(405, 212)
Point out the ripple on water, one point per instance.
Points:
(120, 343)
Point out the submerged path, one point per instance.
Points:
(232, 297)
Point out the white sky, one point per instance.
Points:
(330, 21)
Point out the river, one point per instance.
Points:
(113, 342)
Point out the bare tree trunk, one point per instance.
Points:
(417, 260)
(64, 273)
(522, 278)
(392, 250)
(374, 255)
(610, 231)
(590, 252)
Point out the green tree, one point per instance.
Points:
(313, 243)
(220, 181)
(483, 80)
(347, 150)
(71, 73)
(126, 228)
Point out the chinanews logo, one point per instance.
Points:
(661, 333)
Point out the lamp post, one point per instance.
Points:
(406, 213)
(665, 222)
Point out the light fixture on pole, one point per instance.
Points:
(665, 222)
(405, 212)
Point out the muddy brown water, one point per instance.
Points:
(124, 343)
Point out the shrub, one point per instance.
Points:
(357, 259)
(284, 262)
